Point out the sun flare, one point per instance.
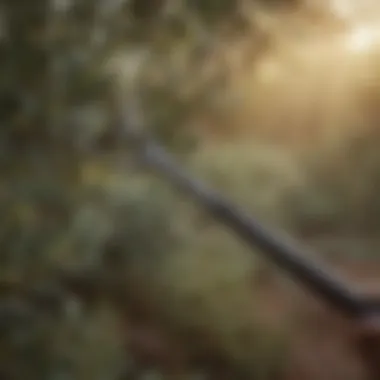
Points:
(362, 39)
(318, 84)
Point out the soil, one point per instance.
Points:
(321, 341)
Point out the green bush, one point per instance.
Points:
(67, 208)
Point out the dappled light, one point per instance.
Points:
(137, 139)
(362, 39)
(309, 85)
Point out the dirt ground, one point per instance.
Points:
(321, 343)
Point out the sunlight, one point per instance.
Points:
(342, 8)
(363, 33)
(312, 89)
(353, 9)
(362, 39)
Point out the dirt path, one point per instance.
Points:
(320, 340)
(321, 343)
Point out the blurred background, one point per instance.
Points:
(108, 273)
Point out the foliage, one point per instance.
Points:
(74, 221)
(90, 243)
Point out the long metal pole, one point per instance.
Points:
(301, 263)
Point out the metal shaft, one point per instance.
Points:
(297, 261)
